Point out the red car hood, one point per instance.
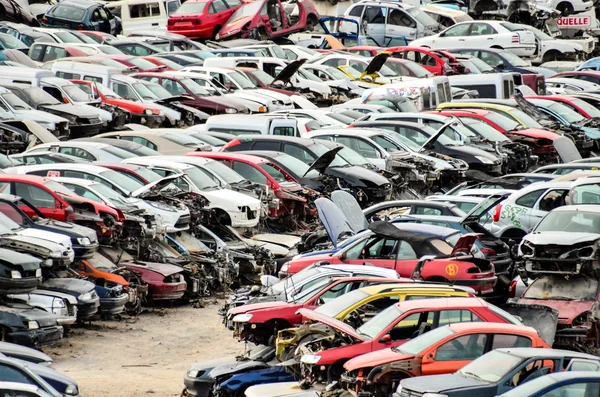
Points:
(537, 133)
(376, 358)
(332, 322)
(233, 27)
(258, 306)
(567, 310)
(161, 268)
(132, 106)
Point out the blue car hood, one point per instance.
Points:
(333, 219)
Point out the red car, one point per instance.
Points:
(167, 63)
(399, 247)
(365, 50)
(539, 140)
(578, 105)
(134, 62)
(165, 282)
(268, 317)
(438, 62)
(266, 19)
(288, 193)
(447, 350)
(392, 327)
(57, 202)
(141, 113)
(202, 19)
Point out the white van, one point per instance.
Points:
(492, 85)
(85, 71)
(269, 124)
(427, 93)
(143, 14)
(30, 76)
(266, 64)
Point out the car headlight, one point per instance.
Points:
(148, 112)
(231, 110)
(85, 297)
(310, 359)
(47, 262)
(162, 206)
(193, 374)
(242, 318)
(38, 273)
(32, 325)
(83, 240)
(15, 274)
(285, 267)
(484, 160)
(59, 302)
(72, 390)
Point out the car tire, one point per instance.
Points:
(216, 30)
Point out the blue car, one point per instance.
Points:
(503, 61)
(577, 383)
(590, 64)
(566, 116)
(82, 15)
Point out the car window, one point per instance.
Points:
(375, 14)
(77, 152)
(505, 340)
(528, 200)
(173, 87)
(356, 11)
(409, 327)
(249, 172)
(584, 389)
(553, 199)
(457, 316)
(35, 195)
(380, 248)
(466, 347)
(218, 6)
(421, 210)
(480, 29)
(298, 152)
(400, 18)
(414, 135)
(8, 373)
(233, 3)
(284, 131)
(491, 59)
(405, 251)
(266, 145)
(141, 141)
(458, 30)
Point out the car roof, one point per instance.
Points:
(491, 327)
(440, 303)
(580, 207)
(25, 178)
(530, 352)
(385, 288)
(71, 166)
(234, 156)
(256, 137)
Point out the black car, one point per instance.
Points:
(82, 15)
(88, 301)
(495, 372)
(19, 273)
(428, 138)
(80, 119)
(129, 146)
(135, 47)
(500, 60)
(83, 239)
(368, 186)
(21, 371)
(28, 326)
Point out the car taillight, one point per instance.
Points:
(515, 38)
(229, 144)
(170, 22)
(488, 252)
(69, 214)
(497, 212)
(44, 19)
(80, 27)
(307, 127)
(512, 289)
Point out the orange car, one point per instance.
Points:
(443, 350)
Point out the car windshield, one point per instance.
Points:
(107, 192)
(229, 175)
(263, 77)
(168, 63)
(194, 87)
(375, 326)
(75, 93)
(201, 179)
(572, 221)
(122, 181)
(515, 60)
(341, 303)
(211, 140)
(539, 34)
(156, 91)
(148, 175)
(58, 188)
(247, 10)
(7, 225)
(10, 42)
(100, 262)
(480, 65)
(106, 49)
(40, 96)
(15, 102)
(336, 73)
(118, 152)
(355, 73)
(525, 118)
(568, 114)
(504, 122)
(422, 342)
(320, 150)
(107, 92)
(586, 107)
(555, 287)
(191, 7)
(141, 63)
(296, 166)
(295, 281)
(484, 129)
(421, 17)
(491, 367)
(307, 295)
(532, 387)
(352, 157)
(407, 142)
(241, 80)
(182, 139)
(273, 172)
(67, 12)
(414, 68)
(144, 92)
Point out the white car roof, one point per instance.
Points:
(457, 199)
(580, 207)
(485, 192)
(157, 161)
(542, 185)
(206, 69)
(182, 159)
(80, 144)
(75, 181)
(362, 269)
(364, 132)
(24, 169)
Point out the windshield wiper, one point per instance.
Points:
(473, 375)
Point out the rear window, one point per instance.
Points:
(190, 8)
(67, 12)
(511, 26)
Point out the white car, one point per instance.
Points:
(90, 151)
(551, 49)
(565, 86)
(566, 7)
(234, 208)
(483, 34)
(166, 215)
(385, 75)
(63, 306)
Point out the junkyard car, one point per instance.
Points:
(26, 325)
(21, 273)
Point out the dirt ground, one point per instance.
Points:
(147, 356)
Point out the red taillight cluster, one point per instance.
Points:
(170, 22)
(512, 289)
(497, 212)
(515, 38)
(44, 19)
(80, 27)
(488, 252)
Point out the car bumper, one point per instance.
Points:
(198, 387)
(167, 291)
(481, 285)
(88, 309)
(112, 306)
(194, 33)
(240, 219)
(85, 251)
(37, 337)
(491, 169)
(19, 285)
(85, 130)
(522, 50)
(150, 121)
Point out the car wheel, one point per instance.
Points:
(551, 56)
(565, 8)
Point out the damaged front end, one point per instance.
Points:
(571, 259)
(411, 173)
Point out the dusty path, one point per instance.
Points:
(147, 357)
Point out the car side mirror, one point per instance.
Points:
(35, 218)
(500, 66)
(385, 339)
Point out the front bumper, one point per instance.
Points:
(85, 251)
(150, 121)
(85, 130)
(86, 310)
(491, 169)
(112, 306)
(243, 219)
(166, 291)
(37, 337)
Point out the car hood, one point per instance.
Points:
(25, 353)
(161, 268)
(236, 367)
(68, 284)
(231, 196)
(331, 322)
(158, 185)
(286, 241)
(537, 133)
(71, 229)
(321, 163)
(360, 173)
(39, 115)
(441, 383)
(29, 312)
(288, 71)
(376, 63)
(232, 27)
(258, 306)
(45, 245)
(333, 219)
(432, 139)
(373, 359)
(78, 111)
(24, 261)
(58, 238)
(349, 206)
(560, 238)
(567, 310)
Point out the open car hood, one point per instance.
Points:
(349, 206)
(432, 139)
(376, 64)
(331, 322)
(529, 108)
(158, 185)
(287, 72)
(484, 207)
(321, 163)
(333, 219)
(566, 149)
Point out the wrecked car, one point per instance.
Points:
(28, 326)
(88, 301)
(63, 306)
(20, 273)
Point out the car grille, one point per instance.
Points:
(249, 213)
(70, 309)
(409, 393)
(183, 221)
(95, 120)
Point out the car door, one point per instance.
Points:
(551, 199)
(406, 258)
(482, 35)
(454, 354)
(96, 21)
(407, 327)
(376, 250)
(219, 12)
(364, 147)
(40, 198)
(453, 37)
(374, 18)
(400, 28)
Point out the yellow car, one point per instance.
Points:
(359, 306)
(513, 113)
(355, 75)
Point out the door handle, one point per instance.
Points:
(461, 39)
(155, 24)
(490, 38)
